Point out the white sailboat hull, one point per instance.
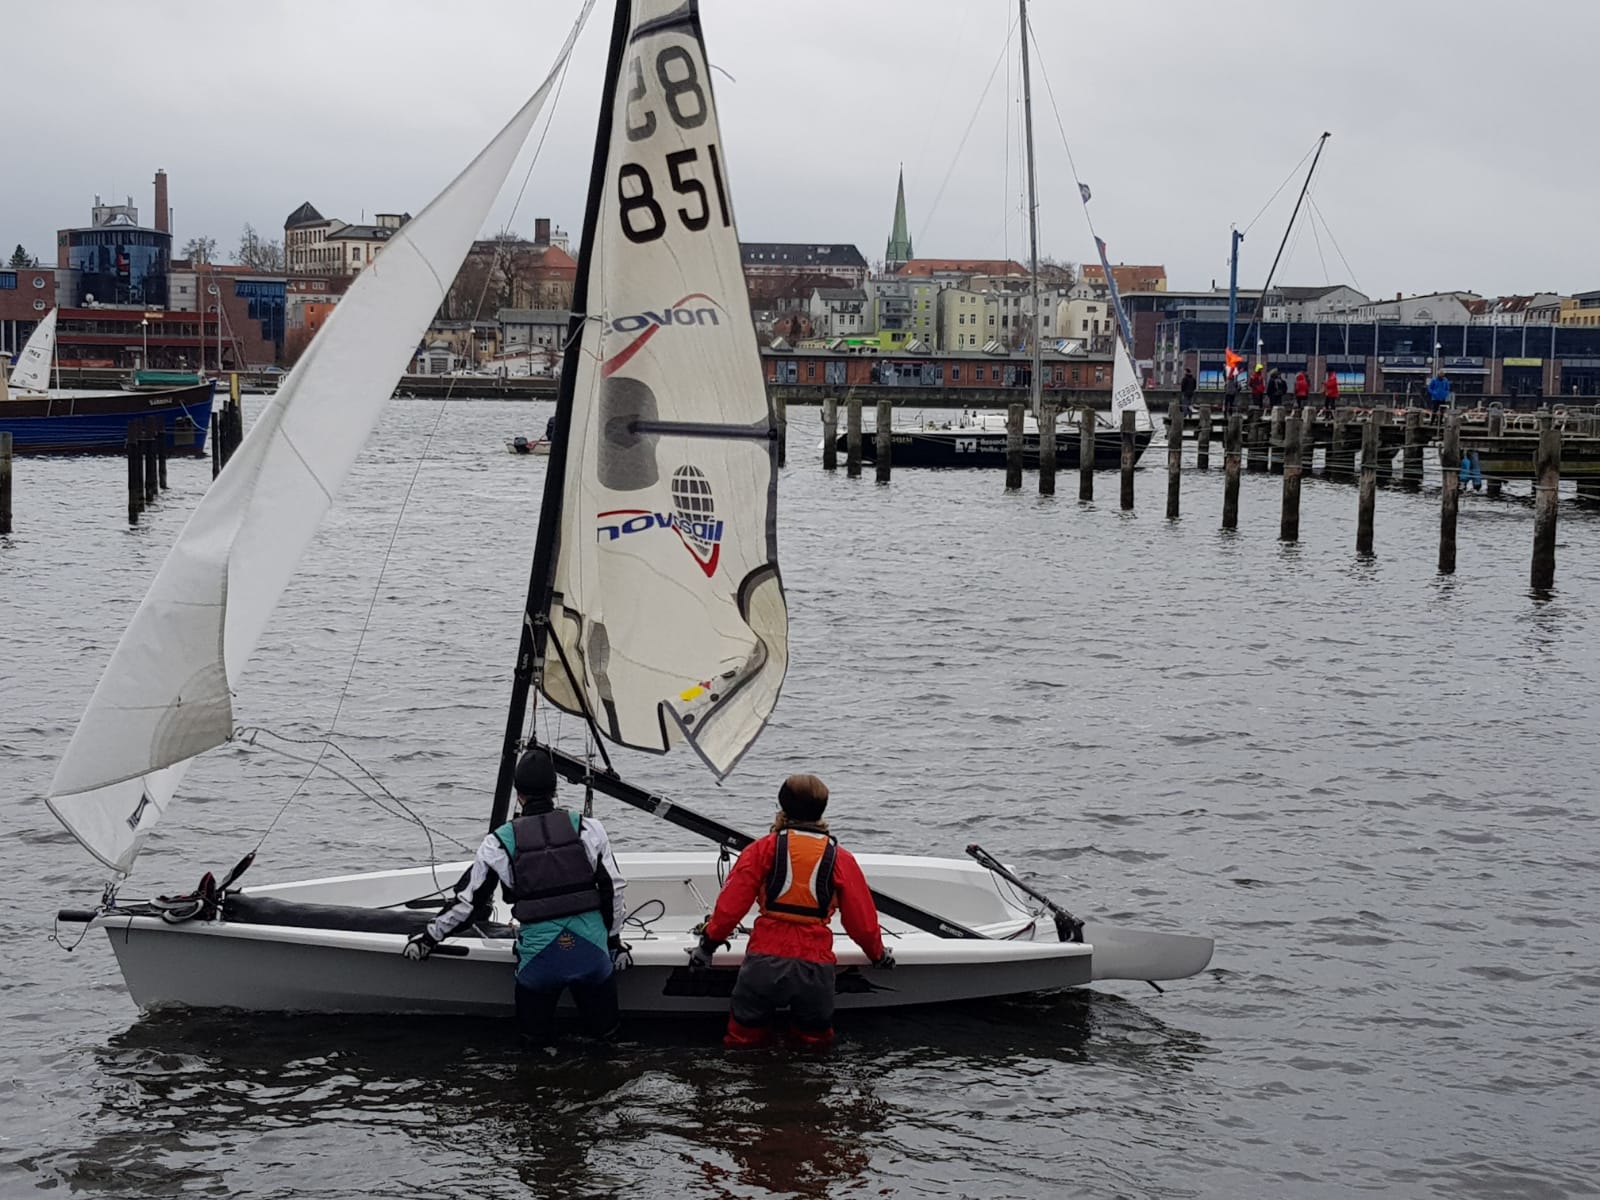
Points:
(206, 964)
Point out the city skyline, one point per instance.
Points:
(1428, 183)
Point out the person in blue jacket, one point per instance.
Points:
(1438, 392)
(566, 894)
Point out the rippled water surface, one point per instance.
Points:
(1373, 785)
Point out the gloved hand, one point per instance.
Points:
(886, 963)
(419, 945)
(621, 953)
(700, 956)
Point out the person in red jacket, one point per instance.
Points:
(799, 876)
(1330, 392)
(1302, 389)
(1258, 389)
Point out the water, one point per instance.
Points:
(1372, 785)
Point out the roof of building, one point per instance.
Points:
(898, 249)
(1307, 293)
(826, 293)
(361, 233)
(962, 266)
(306, 214)
(533, 316)
(1129, 278)
(801, 254)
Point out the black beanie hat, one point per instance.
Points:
(803, 798)
(535, 775)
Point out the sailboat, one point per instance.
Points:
(655, 612)
(44, 422)
(979, 439)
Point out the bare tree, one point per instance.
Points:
(203, 249)
(257, 252)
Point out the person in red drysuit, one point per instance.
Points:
(1302, 389)
(799, 876)
(1258, 388)
(1330, 392)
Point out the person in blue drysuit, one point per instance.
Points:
(1438, 392)
(557, 872)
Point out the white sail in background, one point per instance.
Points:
(667, 602)
(32, 372)
(165, 696)
(1126, 392)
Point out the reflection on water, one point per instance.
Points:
(464, 1093)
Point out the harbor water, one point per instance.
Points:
(1373, 785)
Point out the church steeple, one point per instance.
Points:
(898, 252)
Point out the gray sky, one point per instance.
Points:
(1461, 154)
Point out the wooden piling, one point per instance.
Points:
(1546, 484)
(1450, 502)
(1368, 496)
(1129, 456)
(1202, 438)
(1308, 440)
(1341, 454)
(1230, 465)
(1174, 457)
(1293, 456)
(1086, 453)
(780, 411)
(1275, 441)
(1497, 427)
(1256, 440)
(5, 483)
(214, 432)
(135, 474)
(852, 436)
(161, 450)
(1014, 447)
(1411, 467)
(830, 434)
(152, 471)
(1048, 412)
(883, 438)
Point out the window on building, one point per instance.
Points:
(955, 373)
(8, 280)
(811, 370)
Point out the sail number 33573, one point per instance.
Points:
(681, 94)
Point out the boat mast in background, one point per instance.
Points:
(1033, 213)
(1261, 304)
(1233, 297)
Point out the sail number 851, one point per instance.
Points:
(641, 213)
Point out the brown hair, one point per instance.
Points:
(803, 797)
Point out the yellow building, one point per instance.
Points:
(965, 319)
(1581, 309)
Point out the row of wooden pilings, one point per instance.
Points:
(1290, 430)
(147, 464)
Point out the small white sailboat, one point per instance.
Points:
(655, 611)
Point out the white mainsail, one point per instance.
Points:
(166, 695)
(1126, 392)
(32, 372)
(667, 603)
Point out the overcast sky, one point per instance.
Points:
(1462, 155)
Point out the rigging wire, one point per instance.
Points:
(1354, 282)
(1295, 170)
(394, 533)
(1326, 278)
(956, 157)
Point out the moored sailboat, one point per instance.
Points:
(41, 421)
(655, 612)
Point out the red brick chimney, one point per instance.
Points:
(163, 214)
(541, 231)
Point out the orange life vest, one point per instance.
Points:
(800, 884)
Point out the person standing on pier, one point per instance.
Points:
(1187, 389)
(1230, 394)
(1277, 389)
(1438, 392)
(1330, 393)
(566, 894)
(799, 876)
(1302, 390)
(1258, 388)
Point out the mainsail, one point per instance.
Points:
(166, 695)
(32, 372)
(666, 607)
(1126, 392)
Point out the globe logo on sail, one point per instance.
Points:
(693, 518)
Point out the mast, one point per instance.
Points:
(1033, 213)
(1261, 304)
(1233, 287)
(536, 613)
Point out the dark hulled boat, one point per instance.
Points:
(99, 424)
